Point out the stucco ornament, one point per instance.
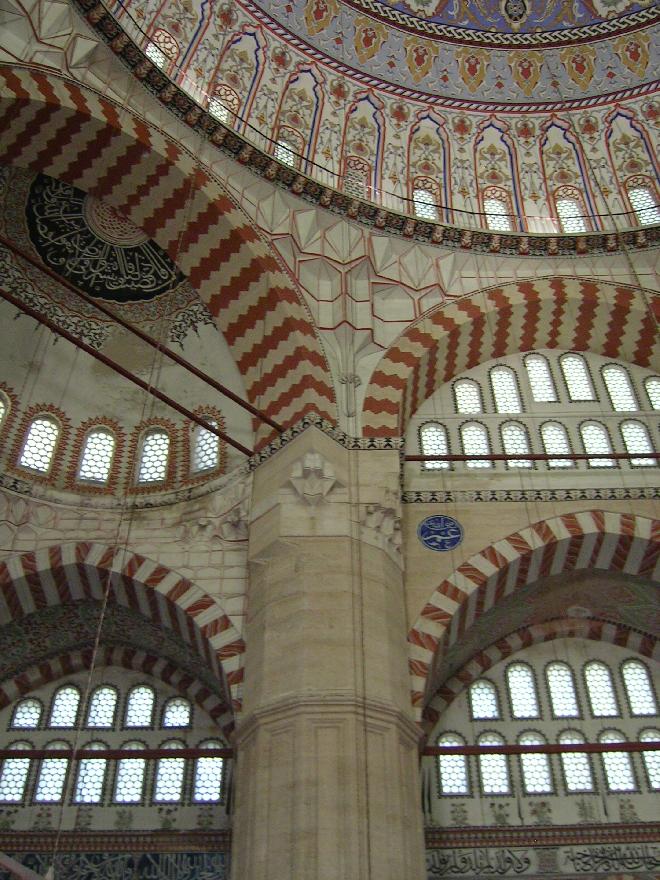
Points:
(313, 478)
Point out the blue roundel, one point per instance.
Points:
(440, 532)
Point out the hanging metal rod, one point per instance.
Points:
(172, 355)
(534, 456)
(113, 365)
(544, 749)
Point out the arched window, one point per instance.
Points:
(162, 48)
(639, 690)
(515, 441)
(570, 210)
(521, 686)
(504, 385)
(576, 376)
(652, 385)
(651, 759)
(91, 777)
(540, 379)
(39, 446)
(452, 769)
(285, 151)
(129, 781)
(169, 775)
(618, 768)
(208, 776)
(356, 177)
(600, 690)
(555, 442)
(637, 440)
(64, 709)
(467, 396)
(27, 714)
(224, 104)
(14, 775)
(4, 407)
(576, 766)
(643, 201)
(474, 441)
(536, 775)
(52, 776)
(140, 706)
(561, 686)
(154, 456)
(206, 449)
(177, 713)
(497, 208)
(96, 458)
(101, 711)
(425, 199)
(484, 704)
(596, 441)
(493, 769)
(619, 387)
(433, 437)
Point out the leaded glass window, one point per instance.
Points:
(39, 447)
(169, 775)
(156, 55)
(493, 769)
(96, 458)
(154, 457)
(600, 689)
(497, 215)
(561, 686)
(177, 713)
(617, 765)
(467, 395)
(129, 781)
(651, 759)
(505, 390)
(64, 709)
(101, 711)
(27, 714)
(218, 110)
(52, 776)
(596, 441)
(284, 152)
(434, 442)
(570, 216)
(619, 387)
(522, 691)
(515, 441)
(425, 206)
(140, 706)
(537, 778)
(91, 776)
(208, 776)
(540, 379)
(483, 700)
(3, 408)
(14, 775)
(652, 385)
(576, 766)
(576, 376)
(474, 440)
(206, 454)
(637, 440)
(556, 442)
(639, 689)
(452, 769)
(644, 205)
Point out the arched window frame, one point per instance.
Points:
(536, 356)
(84, 766)
(289, 146)
(21, 702)
(7, 408)
(76, 718)
(631, 387)
(74, 481)
(59, 419)
(130, 744)
(526, 763)
(645, 216)
(509, 222)
(115, 710)
(503, 760)
(148, 725)
(192, 435)
(448, 760)
(609, 463)
(562, 360)
(579, 218)
(650, 759)
(641, 459)
(476, 463)
(425, 185)
(583, 758)
(653, 399)
(435, 465)
(181, 770)
(546, 676)
(559, 463)
(650, 682)
(164, 711)
(198, 765)
(162, 45)
(505, 369)
(494, 690)
(535, 688)
(24, 766)
(472, 383)
(617, 701)
(356, 178)
(224, 104)
(625, 757)
(521, 463)
(61, 766)
(135, 456)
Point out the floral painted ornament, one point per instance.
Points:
(580, 64)
(634, 52)
(526, 70)
(319, 14)
(369, 37)
(420, 55)
(472, 66)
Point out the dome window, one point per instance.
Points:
(40, 442)
(154, 457)
(97, 454)
(425, 204)
(644, 204)
(434, 442)
(206, 449)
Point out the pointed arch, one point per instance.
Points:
(568, 313)
(496, 163)
(51, 125)
(569, 543)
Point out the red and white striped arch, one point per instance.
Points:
(596, 630)
(564, 313)
(134, 659)
(593, 539)
(74, 572)
(55, 126)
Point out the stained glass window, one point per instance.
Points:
(129, 782)
(453, 771)
(52, 776)
(505, 390)
(206, 455)
(600, 690)
(467, 395)
(14, 775)
(483, 700)
(434, 442)
(27, 714)
(652, 385)
(644, 205)
(154, 457)
(91, 776)
(64, 710)
(537, 778)
(576, 766)
(637, 440)
(493, 769)
(96, 458)
(596, 441)
(140, 706)
(576, 376)
(474, 440)
(639, 689)
(555, 442)
(619, 387)
(425, 206)
(651, 759)
(617, 765)
(561, 685)
(540, 379)
(497, 215)
(176, 713)
(169, 775)
(570, 216)
(40, 443)
(522, 691)
(208, 776)
(515, 441)
(101, 712)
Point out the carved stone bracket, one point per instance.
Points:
(313, 479)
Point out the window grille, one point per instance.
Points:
(522, 691)
(52, 776)
(91, 777)
(64, 709)
(537, 778)
(96, 458)
(540, 379)
(206, 455)
(576, 766)
(652, 385)
(27, 714)
(576, 376)
(208, 776)
(101, 711)
(467, 395)
(14, 775)
(639, 690)
(434, 442)
(570, 214)
(555, 442)
(600, 690)
(561, 686)
(452, 769)
(596, 441)
(284, 152)
(129, 782)
(497, 215)
(474, 440)
(618, 769)
(515, 440)
(636, 439)
(644, 205)
(40, 443)
(140, 706)
(154, 457)
(169, 776)
(156, 55)
(493, 769)
(177, 713)
(619, 388)
(505, 390)
(3, 409)
(425, 205)
(483, 700)
(218, 110)
(651, 759)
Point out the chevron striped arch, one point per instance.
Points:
(572, 542)
(74, 572)
(133, 659)
(52, 125)
(596, 630)
(565, 313)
